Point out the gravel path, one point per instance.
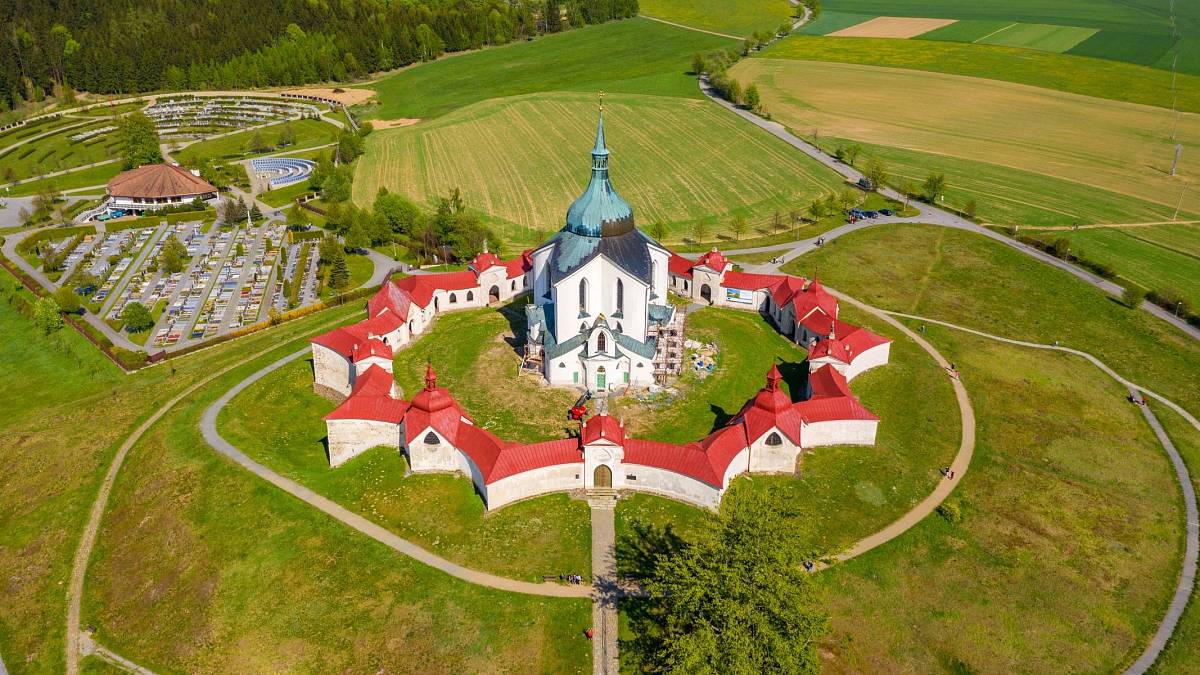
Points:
(208, 428)
(605, 644)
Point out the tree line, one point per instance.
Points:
(133, 46)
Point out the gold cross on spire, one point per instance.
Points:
(601, 95)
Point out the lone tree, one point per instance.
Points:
(735, 92)
(68, 300)
(1133, 295)
(658, 230)
(876, 171)
(735, 601)
(339, 274)
(738, 227)
(934, 186)
(136, 317)
(139, 141)
(173, 255)
(698, 63)
(47, 315)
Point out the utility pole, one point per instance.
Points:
(1175, 162)
(1180, 203)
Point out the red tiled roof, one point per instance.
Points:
(421, 287)
(783, 293)
(770, 408)
(516, 459)
(519, 266)
(158, 180)
(383, 323)
(374, 381)
(390, 296)
(827, 382)
(751, 282)
(366, 405)
(484, 261)
(858, 339)
(713, 260)
(834, 349)
(816, 321)
(343, 338)
(603, 426)
(688, 460)
(679, 266)
(371, 347)
(815, 295)
(833, 409)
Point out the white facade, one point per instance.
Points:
(351, 438)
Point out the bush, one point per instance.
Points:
(951, 511)
(1133, 295)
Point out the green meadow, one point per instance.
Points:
(740, 17)
(636, 56)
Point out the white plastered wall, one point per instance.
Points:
(350, 438)
(557, 478)
(331, 369)
(839, 432)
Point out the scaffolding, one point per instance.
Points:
(668, 351)
(531, 362)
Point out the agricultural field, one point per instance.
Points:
(1138, 33)
(1030, 129)
(741, 17)
(523, 160)
(1005, 195)
(308, 133)
(1063, 72)
(1147, 264)
(57, 151)
(636, 56)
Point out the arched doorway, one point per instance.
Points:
(602, 478)
(706, 293)
(601, 377)
(494, 295)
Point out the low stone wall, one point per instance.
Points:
(350, 438)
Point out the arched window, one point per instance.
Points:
(583, 328)
(619, 328)
(431, 439)
(453, 298)
(583, 293)
(470, 296)
(601, 342)
(620, 296)
(774, 439)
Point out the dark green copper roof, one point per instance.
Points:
(599, 211)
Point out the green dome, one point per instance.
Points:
(599, 211)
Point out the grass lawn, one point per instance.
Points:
(361, 268)
(57, 152)
(308, 133)
(734, 17)
(1112, 14)
(631, 56)
(1005, 195)
(1180, 238)
(1145, 263)
(1101, 78)
(94, 176)
(1183, 650)
(965, 278)
(523, 161)
(278, 421)
(974, 119)
(65, 401)
(284, 195)
(202, 567)
(1069, 543)
(842, 493)
(1038, 36)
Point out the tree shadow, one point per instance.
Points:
(643, 546)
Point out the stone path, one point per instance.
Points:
(208, 428)
(89, 647)
(605, 646)
(1187, 576)
(3, 670)
(87, 539)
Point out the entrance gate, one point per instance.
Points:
(602, 478)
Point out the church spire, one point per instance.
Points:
(599, 211)
(600, 150)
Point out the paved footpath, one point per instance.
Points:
(605, 647)
(1187, 575)
(208, 428)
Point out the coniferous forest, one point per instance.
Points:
(132, 46)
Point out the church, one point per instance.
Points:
(599, 291)
(599, 317)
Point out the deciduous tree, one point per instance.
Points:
(139, 141)
(136, 317)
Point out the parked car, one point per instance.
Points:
(865, 183)
(886, 212)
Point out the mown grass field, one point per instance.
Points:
(632, 56)
(279, 422)
(965, 278)
(1005, 195)
(1146, 264)
(734, 17)
(84, 178)
(308, 133)
(1063, 72)
(1069, 543)
(523, 161)
(1122, 147)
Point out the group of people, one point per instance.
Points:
(573, 579)
(948, 473)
